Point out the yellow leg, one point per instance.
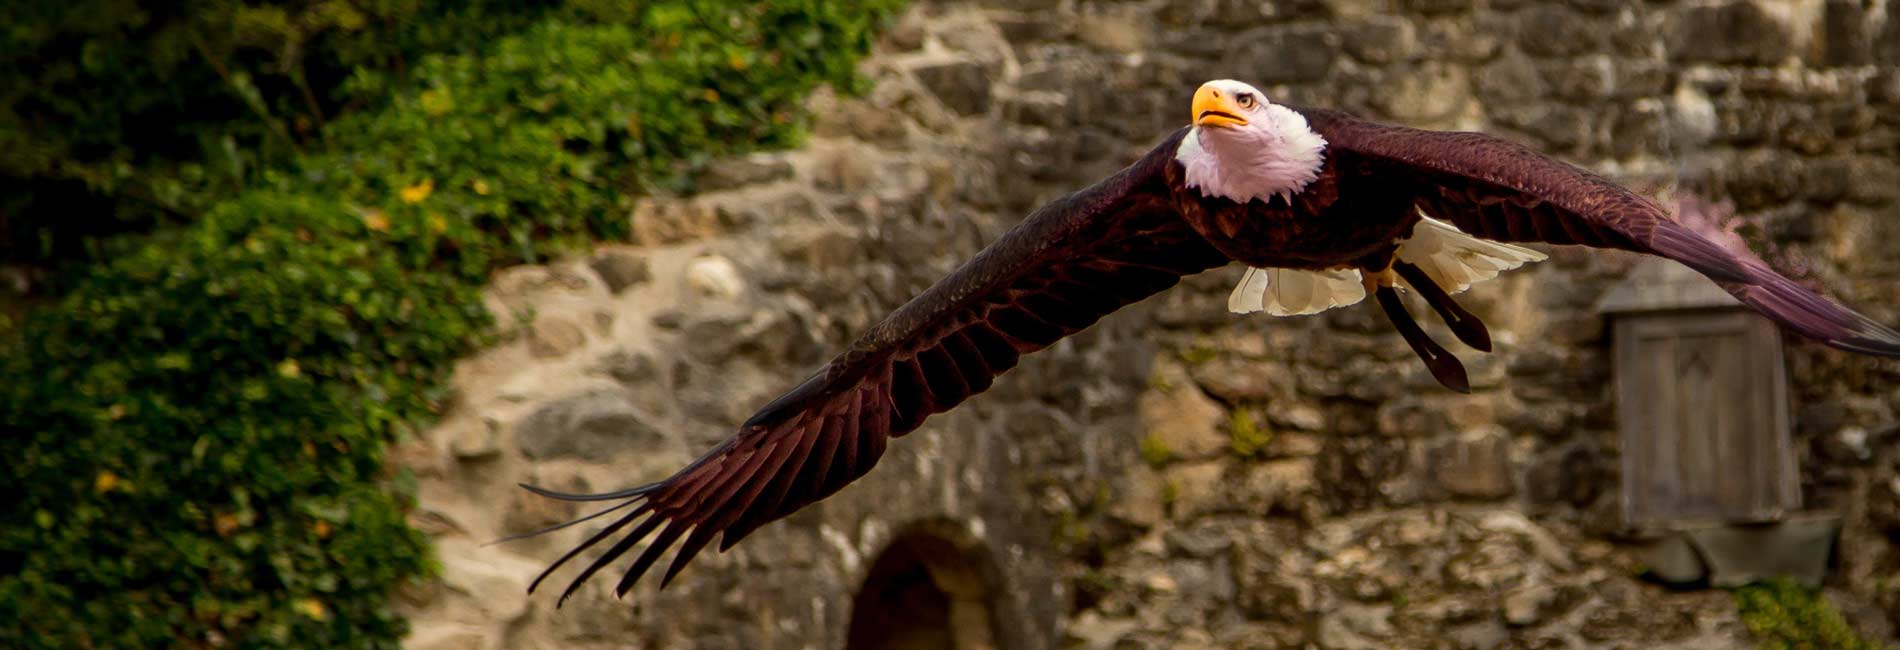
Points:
(1373, 280)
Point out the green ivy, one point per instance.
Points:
(120, 117)
(195, 433)
(1783, 615)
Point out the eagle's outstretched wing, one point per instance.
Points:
(1067, 265)
(1503, 191)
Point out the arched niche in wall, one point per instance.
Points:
(924, 592)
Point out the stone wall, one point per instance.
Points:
(1178, 477)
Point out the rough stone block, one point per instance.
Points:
(736, 172)
(628, 367)
(475, 439)
(1478, 468)
(846, 170)
(1411, 416)
(1582, 78)
(1382, 39)
(553, 336)
(1575, 477)
(1025, 31)
(1242, 381)
(1427, 94)
(1121, 30)
(1466, 39)
(1525, 605)
(1738, 31)
(1198, 488)
(1887, 45)
(714, 276)
(1876, 180)
(595, 424)
(855, 118)
(1043, 109)
(1281, 486)
(1552, 30)
(1142, 498)
(1291, 56)
(1509, 80)
(658, 221)
(907, 33)
(1844, 33)
(495, 582)
(1185, 421)
(820, 248)
(621, 269)
(962, 86)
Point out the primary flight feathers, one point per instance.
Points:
(1075, 260)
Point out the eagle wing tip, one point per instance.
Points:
(1871, 338)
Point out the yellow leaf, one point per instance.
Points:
(437, 223)
(115, 411)
(322, 529)
(311, 607)
(479, 187)
(105, 482)
(738, 62)
(376, 220)
(289, 368)
(437, 102)
(416, 193)
(711, 95)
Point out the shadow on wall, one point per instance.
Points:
(924, 592)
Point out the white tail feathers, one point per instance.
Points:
(1451, 258)
(1293, 292)
(1456, 260)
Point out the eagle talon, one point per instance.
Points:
(1465, 325)
(1444, 366)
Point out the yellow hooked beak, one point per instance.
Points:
(1213, 108)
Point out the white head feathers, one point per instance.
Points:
(1264, 150)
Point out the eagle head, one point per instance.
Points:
(1245, 147)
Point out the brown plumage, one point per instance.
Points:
(1132, 235)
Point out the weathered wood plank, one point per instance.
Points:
(1702, 408)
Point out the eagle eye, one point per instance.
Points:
(1246, 100)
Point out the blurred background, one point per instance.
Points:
(293, 293)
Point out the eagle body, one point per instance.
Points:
(1344, 218)
(1323, 208)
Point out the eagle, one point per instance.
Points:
(1321, 207)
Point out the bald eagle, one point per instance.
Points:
(1322, 208)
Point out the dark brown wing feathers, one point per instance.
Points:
(1072, 262)
(1503, 191)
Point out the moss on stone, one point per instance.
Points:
(1154, 451)
(1198, 354)
(1249, 438)
(1783, 615)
